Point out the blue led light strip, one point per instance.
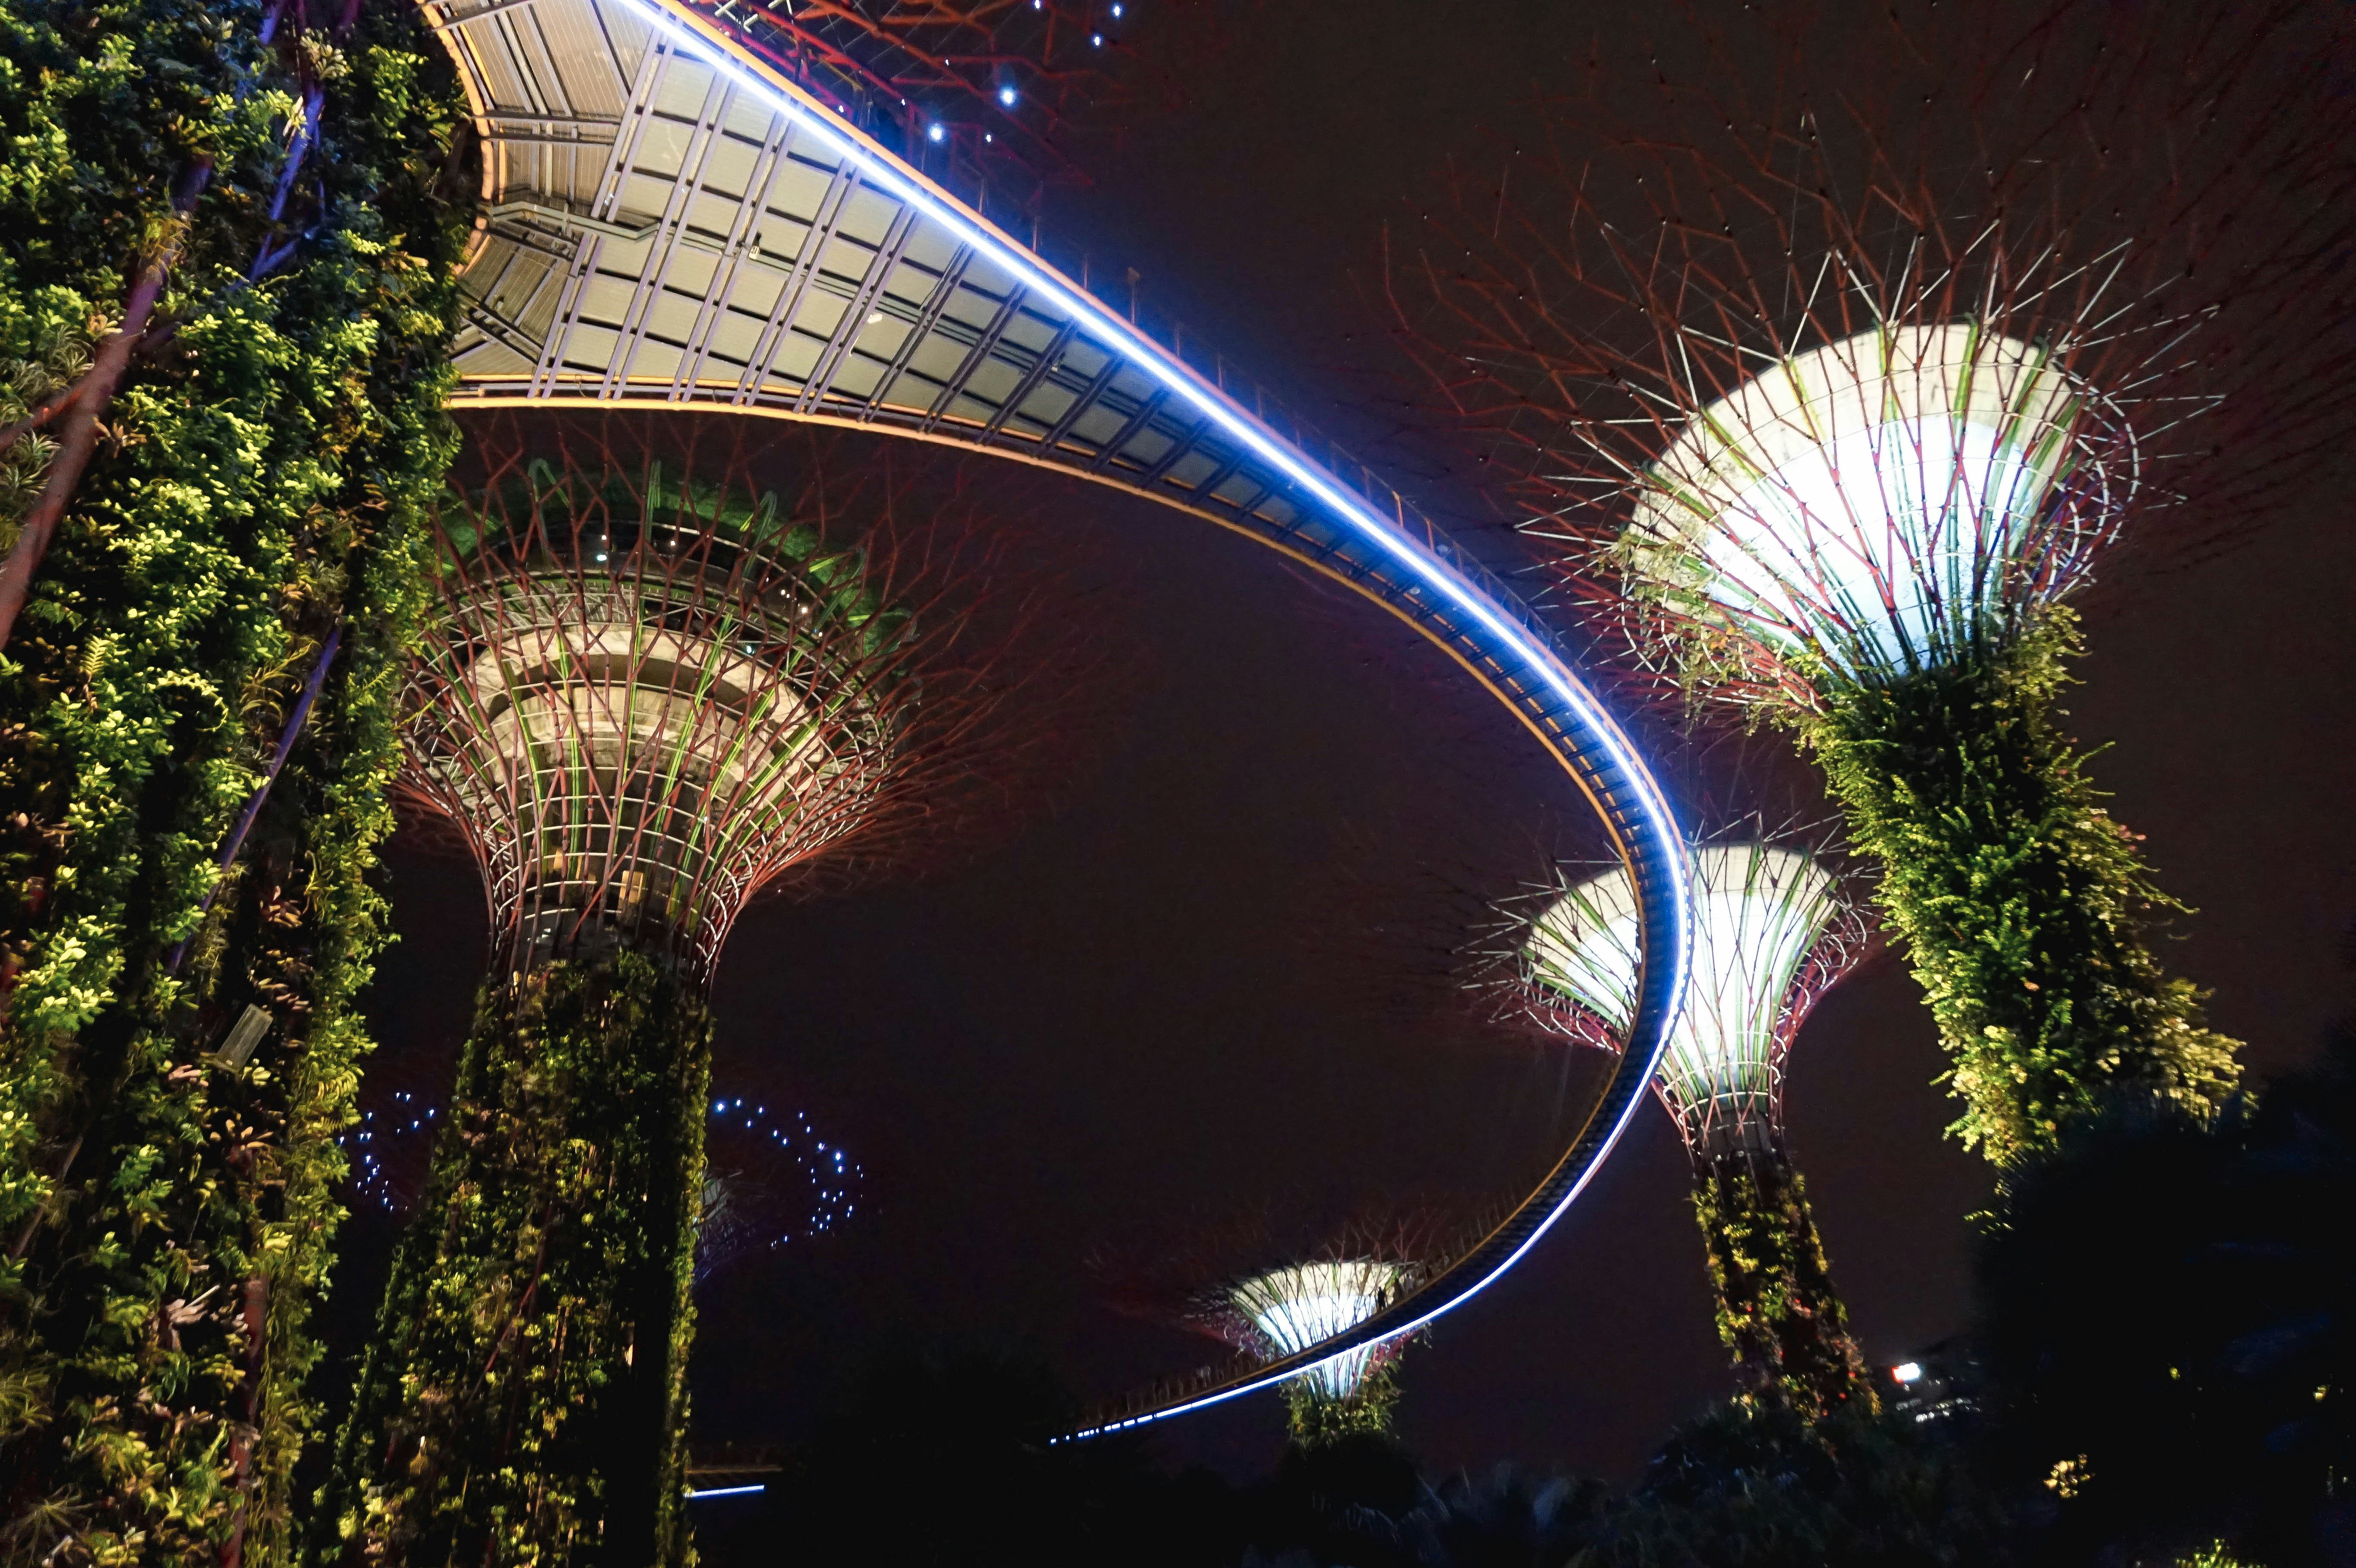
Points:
(724, 1492)
(1665, 849)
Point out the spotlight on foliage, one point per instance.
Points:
(1774, 928)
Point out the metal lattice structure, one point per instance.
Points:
(1773, 930)
(1845, 374)
(672, 219)
(653, 692)
(1880, 503)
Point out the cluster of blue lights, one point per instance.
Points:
(1007, 93)
(770, 1179)
(387, 1153)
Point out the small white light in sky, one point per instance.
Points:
(936, 134)
(1006, 96)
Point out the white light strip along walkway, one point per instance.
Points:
(1664, 852)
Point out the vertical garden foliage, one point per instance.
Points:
(524, 1398)
(164, 1216)
(1315, 1419)
(2025, 908)
(1777, 1309)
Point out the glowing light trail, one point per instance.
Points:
(1658, 864)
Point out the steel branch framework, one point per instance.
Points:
(648, 698)
(670, 219)
(1845, 376)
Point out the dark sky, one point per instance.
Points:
(1144, 1013)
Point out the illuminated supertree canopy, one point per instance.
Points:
(1828, 395)
(658, 686)
(1774, 928)
(1269, 1310)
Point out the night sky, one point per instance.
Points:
(1156, 1007)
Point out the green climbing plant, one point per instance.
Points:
(166, 1210)
(1777, 1309)
(2026, 908)
(524, 1399)
(1315, 1418)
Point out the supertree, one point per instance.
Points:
(1279, 1311)
(1774, 928)
(1281, 1287)
(227, 293)
(1829, 392)
(658, 688)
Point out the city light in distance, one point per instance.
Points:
(1906, 1372)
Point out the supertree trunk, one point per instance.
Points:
(1777, 1309)
(525, 1395)
(179, 1044)
(1315, 1417)
(2024, 906)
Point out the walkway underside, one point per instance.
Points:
(668, 220)
(656, 233)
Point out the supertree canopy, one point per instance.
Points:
(1269, 1312)
(1772, 929)
(1829, 399)
(1877, 506)
(652, 698)
(657, 688)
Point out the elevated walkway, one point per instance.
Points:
(669, 219)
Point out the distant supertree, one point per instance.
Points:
(1774, 928)
(768, 1178)
(1284, 1310)
(1276, 1296)
(658, 687)
(1831, 393)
